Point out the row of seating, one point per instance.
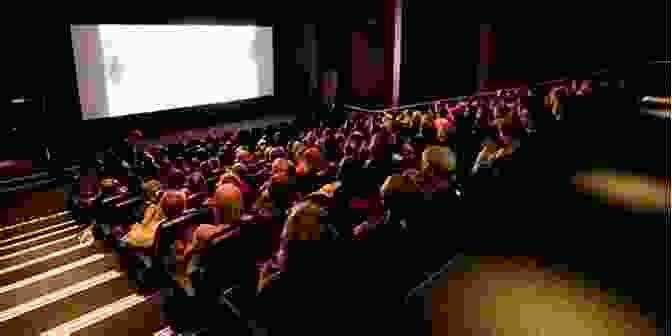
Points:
(288, 185)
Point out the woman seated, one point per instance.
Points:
(399, 194)
(309, 171)
(303, 224)
(234, 176)
(142, 234)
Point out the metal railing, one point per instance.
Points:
(486, 93)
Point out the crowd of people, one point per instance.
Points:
(366, 180)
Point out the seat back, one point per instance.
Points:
(239, 272)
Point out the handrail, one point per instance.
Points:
(481, 94)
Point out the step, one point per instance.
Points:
(35, 267)
(24, 227)
(141, 319)
(29, 289)
(9, 237)
(55, 232)
(37, 252)
(59, 309)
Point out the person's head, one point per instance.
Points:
(280, 165)
(243, 155)
(312, 159)
(438, 161)
(152, 189)
(297, 150)
(229, 178)
(173, 203)
(226, 204)
(239, 169)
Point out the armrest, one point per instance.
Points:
(186, 216)
(117, 198)
(130, 201)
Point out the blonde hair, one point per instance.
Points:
(152, 189)
(297, 150)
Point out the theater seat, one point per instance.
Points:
(154, 267)
(15, 168)
(197, 200)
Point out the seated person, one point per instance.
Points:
(308, 171)
(279, 166)
(226, 210)
(277, 195)
(142, 234)
(437, 167)
(303, 223)
(398, 193)
(233, 176)
(243, 155)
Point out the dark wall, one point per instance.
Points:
(439, 55)
(545, 52)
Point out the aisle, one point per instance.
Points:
(51, 284)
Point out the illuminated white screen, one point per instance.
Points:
(129, 69)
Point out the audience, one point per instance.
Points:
(371, 179)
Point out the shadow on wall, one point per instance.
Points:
(261, 52)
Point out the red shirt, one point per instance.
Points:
(442, 123)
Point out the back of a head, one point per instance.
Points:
(151, 190)
(280, 165)
(227, 203)
(438, 160)
(173, 203)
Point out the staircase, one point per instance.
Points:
(52, 284)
